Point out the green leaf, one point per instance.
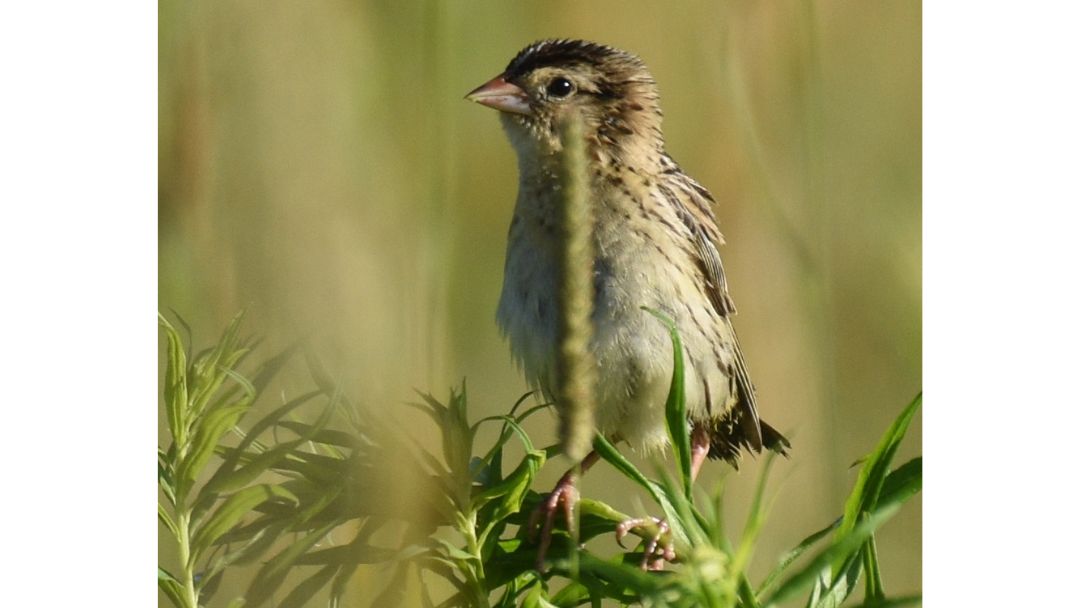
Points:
(212, 367)
(176, 394)
(608, 452)
(306, 589)
(892, 602)
(164, 574)
(165, 481)
(167, 521)
(675, 408)
(902, 483)
(625, 576)
(233, 457)
(833, 594)
(513, 487)
(172, 590)
(233, 510)
(271, 575)
(321, 435)
(571, 595)
(250, 471)
(207, 435)
(874, 470)
(875, 590)
(794, 554)
(838, 551)
(532, 598)
(754, 521)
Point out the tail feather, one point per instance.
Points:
(728, 439)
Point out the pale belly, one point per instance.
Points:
(633, 349)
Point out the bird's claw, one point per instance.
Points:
(658, 549)
(564, 495)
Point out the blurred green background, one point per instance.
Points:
(319, 168)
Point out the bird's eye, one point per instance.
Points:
(560, 87)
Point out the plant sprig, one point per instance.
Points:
(315, 468)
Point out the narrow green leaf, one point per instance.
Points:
(571, 595)
(675, 408)
(165, 575)
(210, 368)
(167, 521)
(875, 590)
(176, 396)
(233, 510)
(662, 497)
(794, 554)
(746, 593)
(893, 602)
(843, 585)
(256, 545)
(626, 576)
(233, 457)
(454, 552)
(172, 590)
(754, 521)
(206, 437)
(250, 471)
(340, 584)
(165, 481)
(514, 486)
(306, 589)
(271, 575)
(321, 435)
(608, 452)
(509, 422)
(393, 594)
(875, 468)
(839, 550)
(353, 554)
(532, 598)
(902, 483)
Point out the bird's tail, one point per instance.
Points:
(773, 440)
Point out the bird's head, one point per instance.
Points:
(612, 90)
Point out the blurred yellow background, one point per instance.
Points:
(319, 168)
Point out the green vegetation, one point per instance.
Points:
(316, 468)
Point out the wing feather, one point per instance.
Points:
(694, 208)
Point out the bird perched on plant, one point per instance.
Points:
(656, 243)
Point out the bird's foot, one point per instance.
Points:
(542, 520)
(659, 548)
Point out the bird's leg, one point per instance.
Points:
(699, 450)
(655, 552)
(564, 494)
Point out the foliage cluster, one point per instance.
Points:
(316, 468)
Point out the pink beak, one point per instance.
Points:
(503, 96)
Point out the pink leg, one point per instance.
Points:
(699, 450)
(564, 494)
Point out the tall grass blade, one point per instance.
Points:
(675, 408)
(576, 367)
(839, 550)
(874, 470)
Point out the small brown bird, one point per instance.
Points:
(656, 242)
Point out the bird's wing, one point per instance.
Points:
(693, 204)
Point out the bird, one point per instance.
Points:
(656, 241)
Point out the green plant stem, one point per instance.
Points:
(475, 574)
(187, 574)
